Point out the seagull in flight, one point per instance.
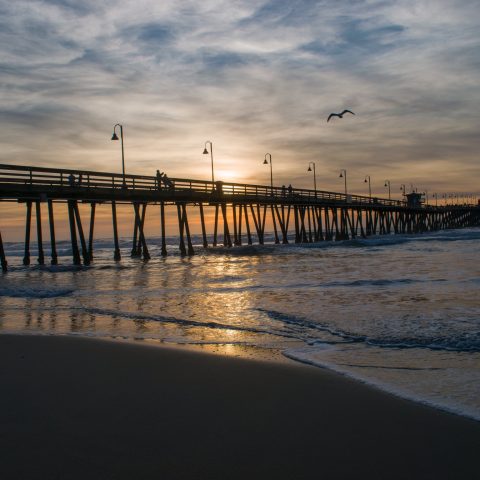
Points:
(339, 115)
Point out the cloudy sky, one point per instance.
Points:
(253, 77)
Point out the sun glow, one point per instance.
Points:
(226, 175)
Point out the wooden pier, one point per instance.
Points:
(240, 211)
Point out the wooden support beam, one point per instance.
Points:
(247, 225)
(281, 222)
(310, 236)
(314, 223)
(183, 250)
(85, 254)
(239, 233)
(227, 241)
(135, 252)
(360, 222)
(3, 258)
(116, 255)
(90, 233)
(28, 226)
(303, 231)
(235, 227)
(215, 227)
(287, 221)
(335, 223)
(163, 231)
(349, 224)
(41, 255)
(297, 224)
(256, 221)
(53, 245)
(73, 233)
(328, 225)
(319, 230)
(263, 220)
(202, 222)
(187, 230)
(141, 236)
(275, 231)
(141, 245)
(375, 222)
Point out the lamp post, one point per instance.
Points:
(314, 176)
(343, 174)
(369, 186)
(387, 184)
(265, 162)
(205, 152)
(115, 137)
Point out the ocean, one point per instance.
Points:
(398, 312)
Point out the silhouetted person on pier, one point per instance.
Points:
(290, 189)
(167, 182)
(159, 179)
(284, 190)
(71, 180)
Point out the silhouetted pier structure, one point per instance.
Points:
(299, 215)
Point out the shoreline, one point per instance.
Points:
(78, 407)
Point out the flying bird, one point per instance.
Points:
(339, 115)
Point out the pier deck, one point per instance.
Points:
(301, 215)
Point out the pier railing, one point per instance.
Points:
(25, 176)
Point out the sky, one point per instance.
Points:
(252, 77)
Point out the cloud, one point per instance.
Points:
(252, 77)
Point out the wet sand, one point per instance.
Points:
(77, 408)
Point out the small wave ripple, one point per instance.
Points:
(32, 292)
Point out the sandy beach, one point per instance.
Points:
(77, 408)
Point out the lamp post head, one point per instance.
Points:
(265, 162)
(114, 136)
(341, 175)
(309, 169)
(385, 184)
(205, 151)
(365, 181)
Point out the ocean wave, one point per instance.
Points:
(179, 321)
(32, 292)
(456, 342)
(308, 356)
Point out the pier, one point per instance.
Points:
(240, 211)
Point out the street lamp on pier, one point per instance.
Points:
(115, 137)
(205, 152)
(369, 186)
(387, 184)
(265, 162)
(343, 174)
(314, 176)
